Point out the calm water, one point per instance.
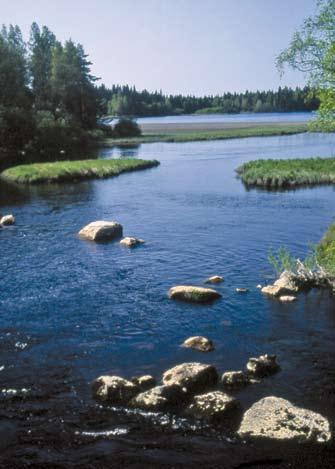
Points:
(244, 117)
(73, 310)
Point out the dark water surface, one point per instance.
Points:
(73, 310)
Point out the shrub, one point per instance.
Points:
(126, 128)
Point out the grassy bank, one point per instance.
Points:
(288, 173)
(325, 251)
(196, 135)
(70, 171)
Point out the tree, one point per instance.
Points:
(312, 51)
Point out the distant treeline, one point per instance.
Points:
(125, 100)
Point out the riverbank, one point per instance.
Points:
(71, 171)
(188, 132)
(288, 173)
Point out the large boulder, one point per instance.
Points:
(7, 220)
(276, 418)
(144, 382)
(264, 365)
(159, 398)
(215, 405)
(193, 294)
(114, 389)
(285, 285)
(193, 377)
(235, 379)
(101, 231)
(131, 242)
(202, 344)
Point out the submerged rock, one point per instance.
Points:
(241, 290)
(193, 377)
(276, 418)
(114, 389)
(235, 379)
(287, 298)
(214, 279)
(193, 294)
(101, 231)
(211, 406)
(7, 220)
(202, 344)
(130, 242)
(263, 365)
(159, 398)
(144, 382)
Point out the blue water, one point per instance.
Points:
(251, 117)
(73, 310)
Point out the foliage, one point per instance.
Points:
(282, 260)
(62, 171)
(125, 100)
(325, 251)
(126, 128)
(312, 50)
(288, 173)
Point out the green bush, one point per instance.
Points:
(126, 128)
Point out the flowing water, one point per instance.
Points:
(73, 310)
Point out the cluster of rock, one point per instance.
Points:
(7, 220)
(192, 389)
(107, 231)
(290, 283)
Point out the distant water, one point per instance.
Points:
(230, 118)
(73, 310)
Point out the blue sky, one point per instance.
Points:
(180, 46)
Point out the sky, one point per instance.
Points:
(179, 46)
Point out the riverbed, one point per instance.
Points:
(73, 310)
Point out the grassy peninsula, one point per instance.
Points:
(187, 134)
(71, 171)
(288, 173)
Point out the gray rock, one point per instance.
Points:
(7, 220)
(235, 379)
(285, 285)
(144, 382)
(160, 398)
(215, 405)
(193, 294)
(202, 344)
(114, 389)
(131, 242)
(193, 377)
(101, 231)
(276, 418)
(263, 365)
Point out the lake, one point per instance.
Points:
(73, 310)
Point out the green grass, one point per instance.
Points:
(325, 251)
(70, 171)
(288, 173)
(193, 136)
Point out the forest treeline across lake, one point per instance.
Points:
(50, 102)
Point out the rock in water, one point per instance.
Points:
(130, 242)
(241, 290)
(235, 379)
(144, 382)
(114, 389)
(263, 365)
(214, 279)
(193, 294)
(202, 344)
(276, 418)
(160, 398)
(193, 377)
(284, 285)
(213, 405)
(101, 231)
(7, 220)
(287, 298)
